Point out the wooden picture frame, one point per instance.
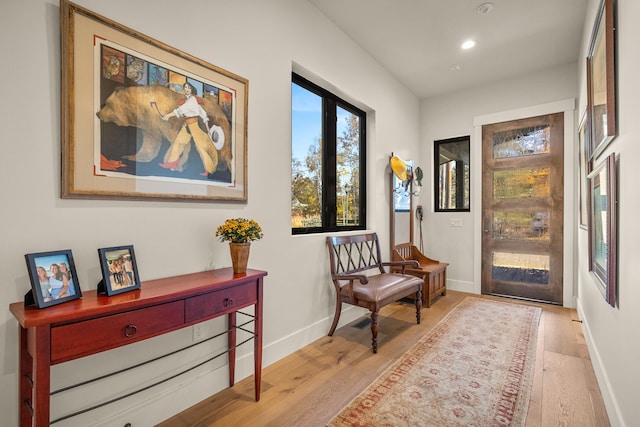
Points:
(119, 270)
(54, 279)
(601, 79)
(603, 227)
(584, 168)
(125, 131)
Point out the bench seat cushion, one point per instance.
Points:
(385, 288)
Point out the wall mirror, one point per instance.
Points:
(452, 174)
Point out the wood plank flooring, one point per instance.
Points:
(310, 386)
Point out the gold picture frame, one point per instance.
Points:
(142, 120)
(601, 80)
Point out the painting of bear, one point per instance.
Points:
(140, 107)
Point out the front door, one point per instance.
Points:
(522, 208)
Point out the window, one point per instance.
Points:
(328, 177)
(452, 176)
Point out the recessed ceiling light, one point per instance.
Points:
(484, 8)
(468, 44)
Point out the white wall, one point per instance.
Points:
(255, 39)
(612, 332)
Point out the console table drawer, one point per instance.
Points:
(225, 300)
(104, 333)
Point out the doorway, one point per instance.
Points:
(522, 208)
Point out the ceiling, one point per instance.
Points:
(418, 41)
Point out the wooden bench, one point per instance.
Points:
(360, 278)
(433, 272)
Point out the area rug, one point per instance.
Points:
(474, 368)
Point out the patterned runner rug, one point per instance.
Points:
(475, 368)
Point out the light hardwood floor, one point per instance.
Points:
(310, 386)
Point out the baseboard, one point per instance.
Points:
(613, 410)
(272, 352)
(461, 286)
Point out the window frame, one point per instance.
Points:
(330, 104)
(436, 173)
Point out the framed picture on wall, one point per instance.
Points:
(584, 168)
(119, 270)
(142, 120)
(603, 227)
(601, 79)
(53, 278)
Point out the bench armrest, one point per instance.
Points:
(408, 263)
(351, 277)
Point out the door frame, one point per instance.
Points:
(569, 245)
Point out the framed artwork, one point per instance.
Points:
(584, 168)
(53, 278)
(142, 120)
(603, 228)
(601, 79)
(119, 270)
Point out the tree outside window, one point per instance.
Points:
(327, 165)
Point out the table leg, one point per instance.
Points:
(26, 381)
(257, 343)
(35, 376)
(232, 348)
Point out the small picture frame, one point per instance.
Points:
(119, 270)
(53, 278)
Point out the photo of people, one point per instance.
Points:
(52, 276)
(119, 269)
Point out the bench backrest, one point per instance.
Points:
(355, 253)
(402, 252)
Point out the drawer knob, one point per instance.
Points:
(130, 330)
(228, 302)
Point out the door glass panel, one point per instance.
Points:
(521, 226)
(521, 142)
(519, 267)
(521, 183)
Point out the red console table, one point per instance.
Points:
(97, 323)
